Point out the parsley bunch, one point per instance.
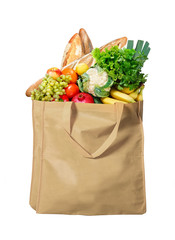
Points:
(122, 65)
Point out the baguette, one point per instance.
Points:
(32, 87)
(89, 60)
(73, 50)
(121, 42)
(87, 44)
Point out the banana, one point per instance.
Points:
(121, 96)
(127, 90)
(108, 100)
(140, 95)
(135, 93)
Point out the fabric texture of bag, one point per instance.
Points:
(88, 158)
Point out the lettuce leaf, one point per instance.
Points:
(122, 66)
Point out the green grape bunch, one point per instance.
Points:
(51, 89)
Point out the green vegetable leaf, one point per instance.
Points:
(99, 92)
(99, 69)
(85, 77)
(130, 44)
(138, 47)
(80, 85)
(97, 100)
(123, 66)
(145, 47)
(108, 84)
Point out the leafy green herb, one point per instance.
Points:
(122, 65)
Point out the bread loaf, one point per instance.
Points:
(73, 50)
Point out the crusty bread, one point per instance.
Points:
(121, 42)
(87, 44)
(32, 87)
(73, 50)
(89, 60)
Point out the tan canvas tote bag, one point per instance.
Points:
(88, 158)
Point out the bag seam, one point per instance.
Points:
(41, 160)
(142, 156)
(31, 188)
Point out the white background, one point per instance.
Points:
(33, 35)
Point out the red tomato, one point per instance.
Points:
(72, 73)
(64, 98)
(72, 90)
(54, 72)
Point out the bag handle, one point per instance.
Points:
(67, 124)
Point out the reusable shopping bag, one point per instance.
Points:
(88, 158)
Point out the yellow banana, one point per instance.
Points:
(127, 90)
(108, 100)
(140, 95)
(135, 93)
(121, 96)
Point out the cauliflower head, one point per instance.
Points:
(96, 82)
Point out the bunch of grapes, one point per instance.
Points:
(51, 89)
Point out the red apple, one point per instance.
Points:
(54, 72)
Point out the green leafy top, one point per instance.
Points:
(122, 65)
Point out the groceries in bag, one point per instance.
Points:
(112, 73)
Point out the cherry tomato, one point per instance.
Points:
(72, 90)
(72, 73)
(54, 72)
(64, 98)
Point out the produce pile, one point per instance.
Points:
(106, 75)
